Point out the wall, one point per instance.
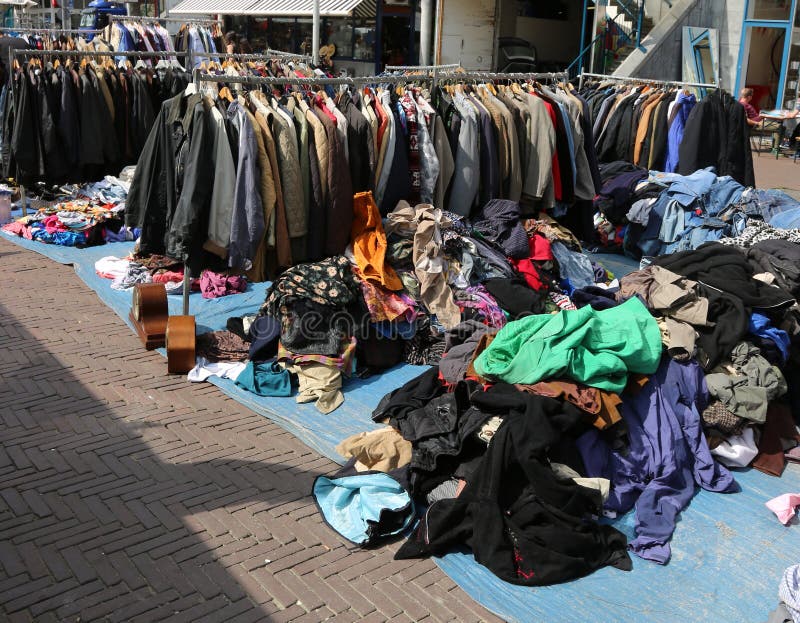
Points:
(467, 33)
(663, 59)
(555, 40)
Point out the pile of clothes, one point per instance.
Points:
(93, 216)
(649, 213)
(585, 397)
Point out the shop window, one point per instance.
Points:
(339, 32)
(770, 9)
(305, 26)
(364, 39)
(281, 34)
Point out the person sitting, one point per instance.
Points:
(758, 122)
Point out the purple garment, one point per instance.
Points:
(685, 103)
(213, 285)
(668, 455)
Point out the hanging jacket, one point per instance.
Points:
(25, 141)
(684, 106)
(361, 148)
(717, 135)
(172, 186)
(247, 219)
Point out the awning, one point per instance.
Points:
(273, 8)
(19, 3)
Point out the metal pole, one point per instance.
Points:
(583, 33)
(425, 32)
(639, 25)
(315, 34)
(437, 35)
(187, 285)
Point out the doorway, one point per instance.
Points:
(762, 67)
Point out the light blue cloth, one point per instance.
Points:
(354, 505)
(196, 45)
(790, 219)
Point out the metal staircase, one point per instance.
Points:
(619, 29)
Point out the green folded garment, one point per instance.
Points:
(598, 348)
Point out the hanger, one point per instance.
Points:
(225, 93)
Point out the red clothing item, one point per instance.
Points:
(540, 252)
(383, 120)
(324, 108)
(556, 168)
(750, 111)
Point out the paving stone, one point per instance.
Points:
(127, 494)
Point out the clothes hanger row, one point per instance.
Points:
(53, 31)
(173, 20)
(647, 81)
(86, 55)
(376, 80)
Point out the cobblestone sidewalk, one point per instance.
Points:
(127, 494)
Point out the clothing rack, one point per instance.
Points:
(628, 79)
(199, 77)
(281, 54)
(433, 69)
(14, 53)
(490, 75)
(172, 20)
(268, 55)
(420, 67)
(133, 54)
(60, 31)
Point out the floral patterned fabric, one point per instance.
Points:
(329, 283)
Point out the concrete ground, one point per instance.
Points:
(781, 173)
(127, 494)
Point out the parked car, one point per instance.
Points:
(516, 55)
(95, 16)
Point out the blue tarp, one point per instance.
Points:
(728, 551)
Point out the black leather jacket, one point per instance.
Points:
(171, 189)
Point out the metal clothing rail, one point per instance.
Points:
(199, 77)
(489, 75)
(285, 80)
(269, 55)
(433, 69)
(14, 53)
(53, 30)
(421, 67)
(171, 20)
(690, 85)
(283, 54)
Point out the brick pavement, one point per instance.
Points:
(130, 495)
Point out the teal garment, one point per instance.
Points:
(265, 379)
(597, 348)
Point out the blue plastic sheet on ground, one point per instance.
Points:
(728, 552)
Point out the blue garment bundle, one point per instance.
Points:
(364, 507)
(694, 209)
(761, 326)
(265, 379)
